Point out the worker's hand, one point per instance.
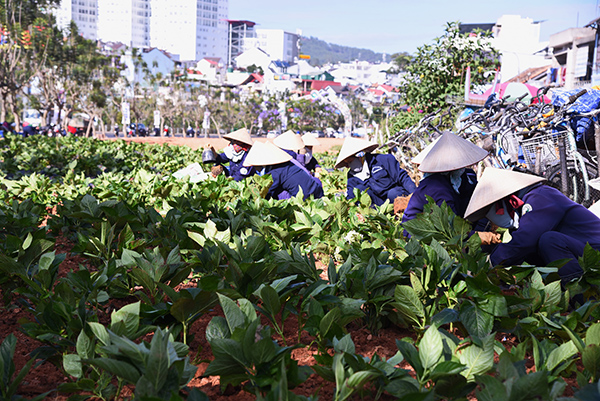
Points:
(209, 146)
(489, 238)
(318, 171)
(216, 170)
(400, 203)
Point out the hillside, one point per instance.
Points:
(322, 52)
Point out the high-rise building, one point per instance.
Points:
(193, 29)
(125, 21)
(83, 12)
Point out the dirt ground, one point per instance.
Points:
(219, 143)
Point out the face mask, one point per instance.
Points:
(356, 165)
(237, 148)
(502, 220)
(307, 156)
(456, 178)
(264, 170)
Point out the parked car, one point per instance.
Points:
(318, 134)
(272, 134)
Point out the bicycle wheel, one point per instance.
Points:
(576, 183)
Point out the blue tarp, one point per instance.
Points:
(583, 126)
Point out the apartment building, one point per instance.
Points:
(83, 12)
(192, 29)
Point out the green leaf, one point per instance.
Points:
(409, 303)
(27, 241)
(492, 389)
(345, 345)
(72, 365)
(130, 316)
(411, 355)
(590, 358)
(478, 359)
(559, 355)
(120, 368)
(85, 346)
(197, 237)
(359, 379)
(162, 356)
(217, 329)
(530, 387)
(270, 300)
(100, 332)
(592, 335)
(233, 314)
(477, 322)
(430, 348)
(553, 294)
(328, 321)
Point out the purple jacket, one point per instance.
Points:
(550, 210)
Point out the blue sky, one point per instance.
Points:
(393, 26)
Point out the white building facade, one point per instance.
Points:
(518, 41)
(279, 44)
(83, 12)
(125, 21)
(192, 29)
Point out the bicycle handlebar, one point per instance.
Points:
(523, 96)
(576, 96)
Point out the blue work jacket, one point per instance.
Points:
(546, 209)
(289, 177)
(438, 186)
(237, 170)
(387, 180)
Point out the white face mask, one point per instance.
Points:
(356, 165)
(307, 155)
(232, 154)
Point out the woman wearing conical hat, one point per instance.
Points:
(545, 225)
(310, 162)
(288, 178)
(291, 143)
(447, 177)
(235, 153)
(378, 174)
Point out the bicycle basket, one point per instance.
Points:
(545, 146)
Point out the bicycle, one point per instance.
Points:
(552, 152)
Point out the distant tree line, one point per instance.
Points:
(322, 52)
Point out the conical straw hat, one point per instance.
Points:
(451, 152)
(265, 154)
(310, 140)
(242, 135)
(289, 140)
(418, 159)
(352, 146)
(494, 185)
